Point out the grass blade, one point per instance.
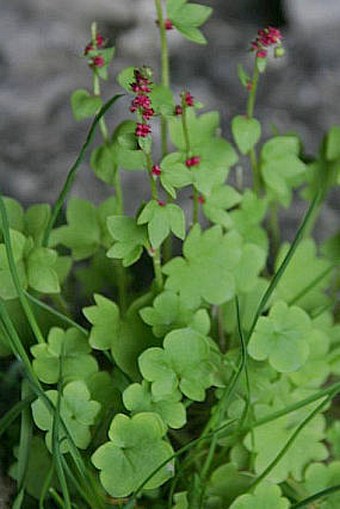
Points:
(14, 412)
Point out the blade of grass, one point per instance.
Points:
(24, 445)
(317, 496)
(73, 171)
(56, 313)
(14, 412)
(46, 486)
(14, 273)
(289, 442)
(281, 270)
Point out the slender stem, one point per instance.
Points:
(317, 496)
(165, 71)
(252, 93)
(195, 211)
(250, 114)
(96, 84)
(274, 228)
(156, 253)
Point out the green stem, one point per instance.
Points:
(250, 114)
(96, 84)
(156, 253)
(317, 496)
(165, 71)
(195, 211)
(253, 92)
(274, 228)
(14, 273)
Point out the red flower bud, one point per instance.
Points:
(193, 161)
(97, 61)
(156, 170)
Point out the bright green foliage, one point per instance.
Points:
(170, 312)
(162, 219)
(174, 173)
(15, 214)
(184, 362)
(126, 337)
(281, 168)
(84, 105)
(36, 267)
(282, 338)
(214, 265)
(187, 18)
(39, 464)
(36, 220)
(247, 218)
(317, 368)
(135, 450)
(319, 477)
(225, 484)
(129, 237)
(246, 132)
(270, 438)
(66, 356)
(162, 100)
(77, 411)
(305, 278)
(138, 398)
(181, 500)
(86, 229)
(121, 152)
(126, 77)
(333, 436)
(218, 202)
(265, 496)
(333, 144)
(107, 54)
(201, 129)
(105, 319)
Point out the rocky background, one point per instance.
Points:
(41, 42)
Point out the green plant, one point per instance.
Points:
(211, 384)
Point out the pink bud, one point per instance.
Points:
(249, 86)
(88, 48)
(161, 203)
(262, 53)
(189, 99)
(142, 130)
(193, 161)
(97, 61)
(100, 41)
(178, 110)
(156, 170)
(168, 24)
(201, 199)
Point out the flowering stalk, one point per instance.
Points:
(163, 27)
(142, 106)
(188, 101)
(98, 42)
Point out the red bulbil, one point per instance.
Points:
(148, 113)
(142, 130)
(193, 161)
(168, 24)
(100, 41)
(201, 199)
(97, 61)
(266, 38)
(156, 170)
(178, 110)
(249, 86)
(188, 99)
(88, 48)
(161, 203)
(262, 53)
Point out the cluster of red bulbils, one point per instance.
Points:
(142, 102)
(99, 43)
(266, 38)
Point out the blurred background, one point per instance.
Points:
(41, 43)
